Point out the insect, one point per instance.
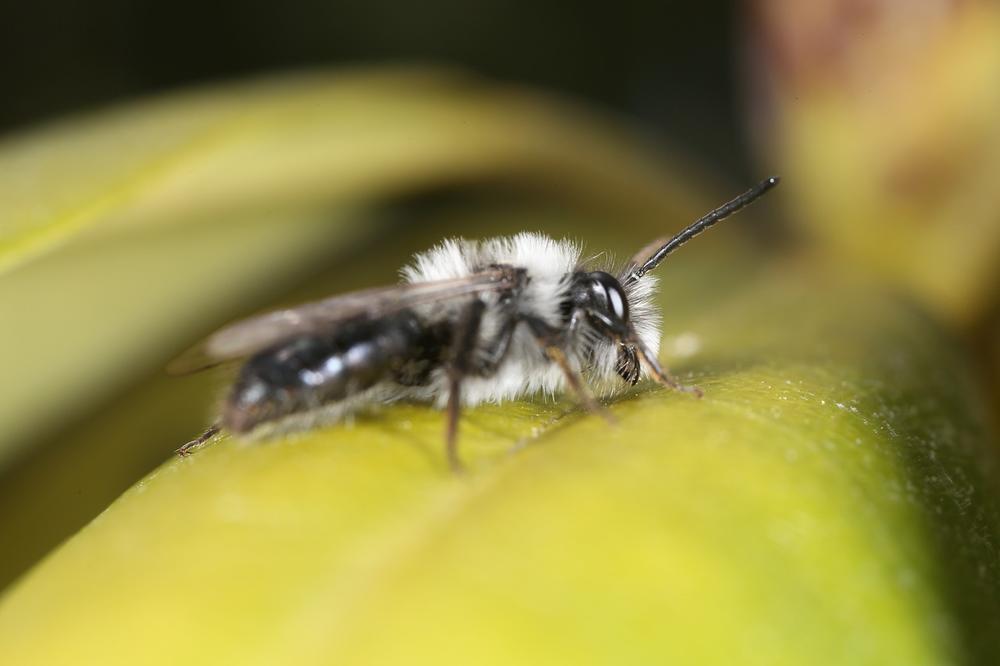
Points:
(471, 322)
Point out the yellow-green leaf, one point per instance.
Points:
(824, 504)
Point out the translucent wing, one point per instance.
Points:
(254, 334)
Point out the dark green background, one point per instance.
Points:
(676, 67)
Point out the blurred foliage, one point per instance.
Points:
(888, 115)
(250, 174)
(830, 500)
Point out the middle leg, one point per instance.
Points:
(460, 364)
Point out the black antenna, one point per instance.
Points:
(720, 213)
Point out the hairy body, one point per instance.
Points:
(550, 268)
(407, 356)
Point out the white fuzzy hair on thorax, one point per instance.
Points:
(549, 265)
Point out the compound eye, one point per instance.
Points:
(616, 302)
(609, 296)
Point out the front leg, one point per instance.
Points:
(659, 373)
(553, 342)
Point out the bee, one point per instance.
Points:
(471, 322)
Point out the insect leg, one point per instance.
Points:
(660, 374)
(188, 448)
(487, 364)
(494, 352)
(551, 340)
(459, 365)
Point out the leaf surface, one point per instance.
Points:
(824, 503)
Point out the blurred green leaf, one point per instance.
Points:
(128, 233)
(296, 140)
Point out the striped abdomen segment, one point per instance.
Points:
(313, 370)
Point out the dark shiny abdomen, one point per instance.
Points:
(309, 371)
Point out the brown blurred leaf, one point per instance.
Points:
(887, 125)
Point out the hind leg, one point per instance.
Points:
(188, 448)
